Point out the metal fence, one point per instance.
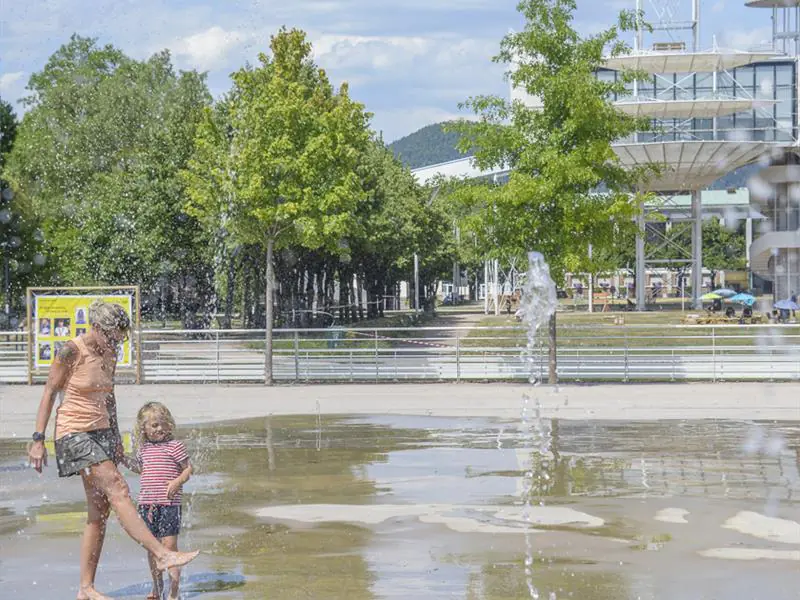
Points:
(584, 353)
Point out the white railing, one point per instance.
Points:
(584, 353)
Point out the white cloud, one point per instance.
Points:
(9, 81)
(718, 6)
(209, 49)
(745, 39)
(377, 52)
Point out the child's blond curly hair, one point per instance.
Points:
(148, 411)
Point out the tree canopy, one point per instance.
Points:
(559, 151)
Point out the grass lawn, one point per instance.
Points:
(640, 330)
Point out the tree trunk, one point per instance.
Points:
(344, 289)
(358, 290)
(268, 324)
(552, 371)
(230, 289)
(164, 283)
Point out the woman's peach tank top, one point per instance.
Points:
(84, 405)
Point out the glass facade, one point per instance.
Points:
(774, 80)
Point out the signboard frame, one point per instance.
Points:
(89, 293)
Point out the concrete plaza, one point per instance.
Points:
(195, 404)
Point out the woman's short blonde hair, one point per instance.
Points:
(149, 411)
(109, 316)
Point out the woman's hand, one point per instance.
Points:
(37, 455)
(119, 452)
(173, 487)
(131, 462)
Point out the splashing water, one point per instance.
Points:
(538, 302)
(537, 306)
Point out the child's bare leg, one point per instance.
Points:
(171, 543)
(158, 582)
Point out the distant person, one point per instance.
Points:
(45, 353)
(80, 331)
(44, 326)
(88, 443)
(80, 316)
(793, 298)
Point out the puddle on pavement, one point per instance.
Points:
(426, 507)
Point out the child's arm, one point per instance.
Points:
(176, 484)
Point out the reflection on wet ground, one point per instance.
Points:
(426, 507)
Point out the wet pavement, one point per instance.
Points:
(432, 507)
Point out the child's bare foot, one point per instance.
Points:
(89, 593)
(175, 559)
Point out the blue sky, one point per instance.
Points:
(410, 61)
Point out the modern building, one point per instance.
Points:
(712, 111)
(775, 253)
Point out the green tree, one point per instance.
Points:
(8, 130)
(396, 219)
(97, 159)
(560, 154)
(723, 248)
(289, 174)
(20, 237)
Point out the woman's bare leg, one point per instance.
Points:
(171, 542)
(106, 478)
(94, 533)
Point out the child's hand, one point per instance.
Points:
(173, 487)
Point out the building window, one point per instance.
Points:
(784, 76)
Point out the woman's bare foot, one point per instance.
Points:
(89, 593)
(175, 559)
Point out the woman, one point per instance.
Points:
(87, 439)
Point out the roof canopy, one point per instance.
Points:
(687, 109)
(459, 168)
(772, 3)
(689, 165)
(687, 62)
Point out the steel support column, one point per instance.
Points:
(640, 261)
(697, 250)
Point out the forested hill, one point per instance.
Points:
(428, 146)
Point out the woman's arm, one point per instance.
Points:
(59, 374)
(113, 422)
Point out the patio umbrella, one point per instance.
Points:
(725, 293)
(711, 296)
(786, 305)
(745, 299)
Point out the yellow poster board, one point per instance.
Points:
(59, 318)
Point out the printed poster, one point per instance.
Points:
(58, 319)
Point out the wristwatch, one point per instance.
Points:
(38, 436)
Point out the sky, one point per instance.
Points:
(411, 62)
